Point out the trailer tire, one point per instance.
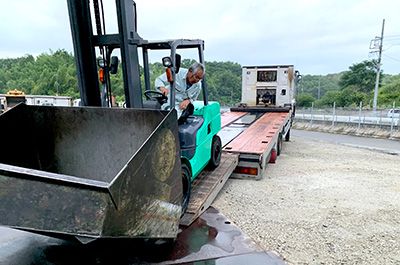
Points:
(216, 150)
(273, 156)
(287, 136)
(186, 187)
(279, 144)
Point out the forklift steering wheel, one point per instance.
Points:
(160, 97)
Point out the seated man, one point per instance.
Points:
(187, 89)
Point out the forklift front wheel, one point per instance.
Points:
(186, 187)
(216, 149)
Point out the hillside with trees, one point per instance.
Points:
(349, 88)
(54, 73)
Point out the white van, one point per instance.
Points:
(394, 113)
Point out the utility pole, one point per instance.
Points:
(319, 87)
(378, 68)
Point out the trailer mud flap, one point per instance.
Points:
(90, 172)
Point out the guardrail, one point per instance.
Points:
(389, 124)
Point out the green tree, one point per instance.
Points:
(390, 92)
(361, 76)
(349, 96)
(329, 98)
(311, 84)
(305, 100)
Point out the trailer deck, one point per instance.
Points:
(256, 137)
(260, 136)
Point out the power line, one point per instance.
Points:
(393, 36)
(390, 57)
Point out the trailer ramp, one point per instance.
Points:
(207, 186)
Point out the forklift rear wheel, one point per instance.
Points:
(186, 187)
(216, 149)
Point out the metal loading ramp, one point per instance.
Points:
(207, 186)
(90, 172)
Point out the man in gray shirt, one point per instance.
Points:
(187, 88)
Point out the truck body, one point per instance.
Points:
(255, 130)
(273, 85)
(14, 97)
(252, 134)
(48, 100)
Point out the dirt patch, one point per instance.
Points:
(322, 204)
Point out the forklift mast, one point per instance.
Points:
(85, 42)
(128, 41)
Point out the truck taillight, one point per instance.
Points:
(246, 170)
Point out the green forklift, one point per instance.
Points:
(198, 124)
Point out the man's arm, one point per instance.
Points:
(161, 83)
(192, 95)
(194, 92)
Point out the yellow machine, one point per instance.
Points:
(12, 98)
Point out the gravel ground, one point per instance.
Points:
(321, 204)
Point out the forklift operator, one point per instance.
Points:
(187, 88)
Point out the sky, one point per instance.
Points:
(318, 36)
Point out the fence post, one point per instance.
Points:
(359, 115)
(333, 114)
(312, 109)
(391, 124)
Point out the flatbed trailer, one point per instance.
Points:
(255, 129)
(256, 137)
(250, 141)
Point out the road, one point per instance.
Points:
(382, 145)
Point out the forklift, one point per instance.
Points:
(199, 123)
(125, 171)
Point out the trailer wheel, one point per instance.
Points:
(186, 186)
(216, 149)
(273, 156)
(287, 136)
(279, 144)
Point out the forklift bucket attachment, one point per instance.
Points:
(90, 172)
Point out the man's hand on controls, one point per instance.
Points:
(164, 90)
(183, 105)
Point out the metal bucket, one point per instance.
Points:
(90, 172)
